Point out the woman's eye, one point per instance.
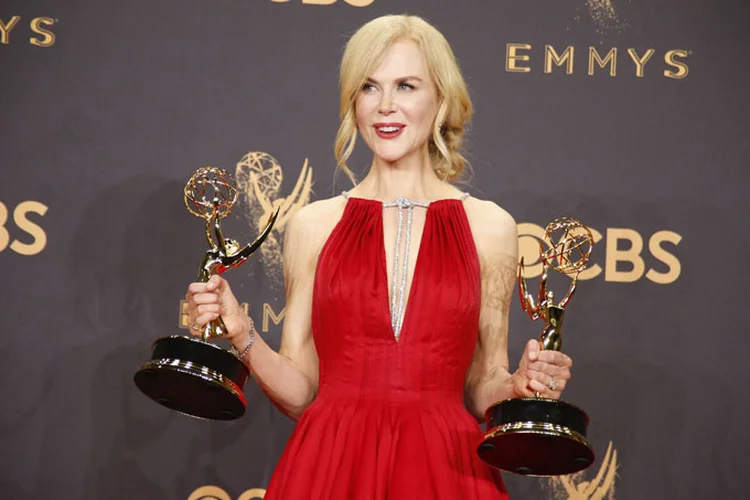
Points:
(406, 86)
(367, 87)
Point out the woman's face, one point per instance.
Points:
(397, 105)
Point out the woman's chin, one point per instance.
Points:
(391, 157)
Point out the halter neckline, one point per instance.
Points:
(403, 232)
(404, 202)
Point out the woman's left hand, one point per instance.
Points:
(541, 371)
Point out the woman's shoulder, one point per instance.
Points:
(493, 228)
(308, 229)
(489, 217)
(317, 217)
(316, 209)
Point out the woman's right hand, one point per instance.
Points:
(207, 301)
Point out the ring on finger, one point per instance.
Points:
(552, 384)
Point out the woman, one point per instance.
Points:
(397, 296)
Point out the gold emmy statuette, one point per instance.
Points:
(539, 436)
(190, 375)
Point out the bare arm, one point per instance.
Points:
(289, 377)
(488, 379)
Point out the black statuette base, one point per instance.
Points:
(195, 378)
(537, 437)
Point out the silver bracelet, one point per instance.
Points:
(246, 350)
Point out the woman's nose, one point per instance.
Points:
(386, 104)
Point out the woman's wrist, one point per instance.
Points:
(241, 349)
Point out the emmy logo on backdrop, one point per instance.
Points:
(194, 376)
(540, 436)
(576, 487)
(259, 180)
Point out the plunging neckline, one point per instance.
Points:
(383, 258)
(414, 275)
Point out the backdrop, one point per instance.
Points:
(629, 115)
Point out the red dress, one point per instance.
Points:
(389, 420)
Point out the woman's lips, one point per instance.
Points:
(388, 130)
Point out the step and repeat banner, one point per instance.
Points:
(631, 116)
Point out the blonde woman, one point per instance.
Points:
(397, 296)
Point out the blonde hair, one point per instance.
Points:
(366, 49)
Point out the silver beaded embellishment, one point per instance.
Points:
(398, 295)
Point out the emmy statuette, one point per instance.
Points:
(189, 375)
(539, 436)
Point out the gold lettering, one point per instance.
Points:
(4, 235)
(639, 61)
(36, 27)
(654, 246)
(268, 313)
(682, 68)
(217, 493)
(551, 57)
(529, 236)
(5, 29)
(610, 58)
(593, 270)
(36, 232)
(253, 494)
(512, 57)
(631, 255)
(209, 493)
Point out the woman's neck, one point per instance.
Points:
(413, 178)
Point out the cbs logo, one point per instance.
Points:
(622, 255)
(353, 3)
(37, 25)
(216, 493)
(24, 225)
